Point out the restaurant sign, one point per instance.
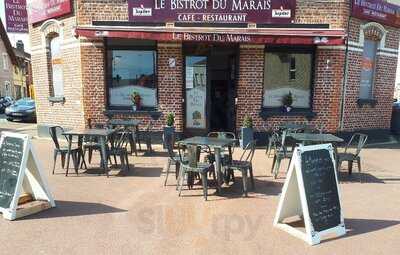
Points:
(378, 11)
(16, 17)
(212, 11)
(40, 10)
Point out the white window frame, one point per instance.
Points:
(5, 61)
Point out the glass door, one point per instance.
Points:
(196, 95)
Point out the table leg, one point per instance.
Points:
(217, 152)
(104, 154)
(69, 152)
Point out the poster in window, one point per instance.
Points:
(189, 77)
(367, 69)
(196, 107)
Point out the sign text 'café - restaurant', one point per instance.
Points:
(213, 62)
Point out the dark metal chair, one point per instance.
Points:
(281, 153)
(350, 157)
(244, 165)
(173, 158)
(91, 144)
(273, 140)
(55, 132)
(145, 135)
(192, 166)
(118, 148)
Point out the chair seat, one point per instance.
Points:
(91, 145)
(200, 168)
(346, 156)
(239, 164)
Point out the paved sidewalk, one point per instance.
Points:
(136, 214)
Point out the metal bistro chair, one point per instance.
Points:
(91, 144)
(350, 157)
(192, 166)
(173, 158)
(281, 153)
(118, 147)
(226, 156)
(244, 165)
(145, 135)
(273, 141)
(54, 132)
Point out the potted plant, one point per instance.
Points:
(169, 129)
(287, 101)
(136, 100)
(247, 134)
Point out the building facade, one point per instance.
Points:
(212, 63)
(7, 60)
(22, 76)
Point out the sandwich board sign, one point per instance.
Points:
(20, 171)
(311, 192)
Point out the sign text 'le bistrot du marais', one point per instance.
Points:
(212, 11)
(377, 10)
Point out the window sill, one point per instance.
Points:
(368, 102)
(274, 112)
(57, 99)
(152, 113)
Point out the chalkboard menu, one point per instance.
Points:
(11, 152)
(321, 189)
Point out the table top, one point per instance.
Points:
(209, 141)
(293, 126)
(90, 132)
(131, 123)
(304, 137)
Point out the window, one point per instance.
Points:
(368, 69)
(56, 67)
(131, 68)
(5, 61)
(288, 71)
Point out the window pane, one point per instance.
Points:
(367, 70)
(56, 67)
(132, 71)
(284, 73)
(196, 84)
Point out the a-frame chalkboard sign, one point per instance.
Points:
(311, 194)
(20, 171)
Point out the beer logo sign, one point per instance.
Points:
(141, 11)
(281, 13)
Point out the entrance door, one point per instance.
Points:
(196, 95)
(210, 88)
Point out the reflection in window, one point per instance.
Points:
(287, 72)
(367, 69)
(56, 67)
(132, 71)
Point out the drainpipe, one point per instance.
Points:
(345, 70)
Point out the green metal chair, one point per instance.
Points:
(281, 153)
(173, 158)
(244, 165)
(273, 140)
(192, 166)
(351, 157)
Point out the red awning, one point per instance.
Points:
(221, 35)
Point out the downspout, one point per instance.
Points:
(345, 70)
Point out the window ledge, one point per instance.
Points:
(152, 113)
(368, 102)
(273, 112)
(57, 99)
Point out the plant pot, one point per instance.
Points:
(247, 135)
(168, 131)
(134, 108)
(286, 108)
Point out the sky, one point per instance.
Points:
(14, 37)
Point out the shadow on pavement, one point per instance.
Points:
(71, 209)
(363, 226)
(359, 177)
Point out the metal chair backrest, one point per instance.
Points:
(282, 143)
(192, 154)
(222, 135)
(169, 144)
(54, 132)
(361, 140)
(119, 139)
(248, 152)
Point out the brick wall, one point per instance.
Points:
(327, 89)
(169, 85)
(68, 113)
(376, 116)
(101, 10)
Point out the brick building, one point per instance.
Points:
(212, 63)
